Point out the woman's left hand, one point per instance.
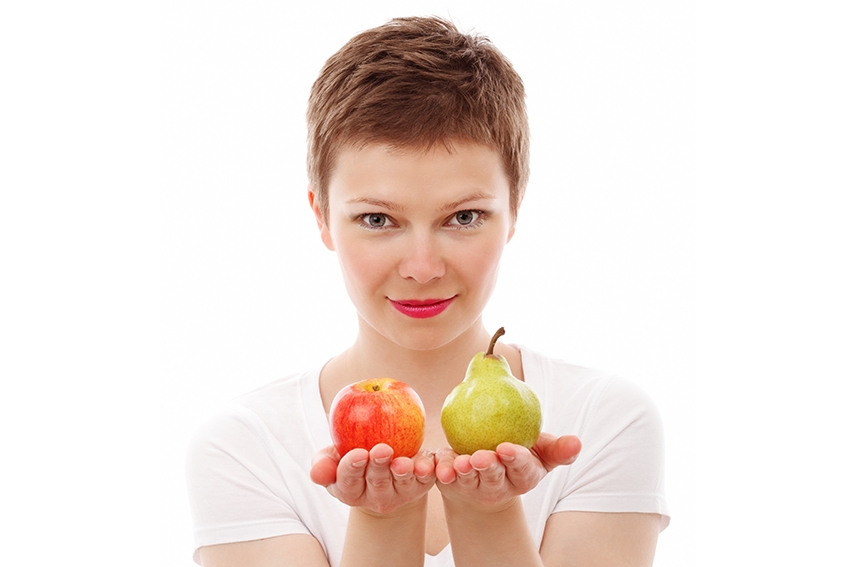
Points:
(490, 478)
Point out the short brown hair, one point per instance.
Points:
(416, 82)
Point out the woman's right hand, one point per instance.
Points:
(373, 480)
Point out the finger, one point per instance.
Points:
(323, 468)
(378, 474)
(491, 472)
(557, 451)
(480, 460)
(350, 472)
(444, 466)
(402, 471)
(466, 475)
(522, 468)
(424, 466)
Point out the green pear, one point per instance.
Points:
(490, 406)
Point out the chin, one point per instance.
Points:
(421, 335)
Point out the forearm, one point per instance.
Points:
(492, 538)
(397, 539)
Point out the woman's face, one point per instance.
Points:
(419, 235)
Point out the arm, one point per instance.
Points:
(386, 524)
(589, 539)
(497, 537)
(620, 470)
(298, 549)
(397, 538)
(404, 530)
(481, 497)
(234, 486)
(621, 467)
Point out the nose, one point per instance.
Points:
(422, 259)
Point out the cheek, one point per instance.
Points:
(479, 263)
(363, 268)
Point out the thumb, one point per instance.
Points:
(323, 468)
(556, 451)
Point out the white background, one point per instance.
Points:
(685, 226)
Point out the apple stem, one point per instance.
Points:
(495, 338)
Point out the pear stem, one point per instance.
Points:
(495, 338)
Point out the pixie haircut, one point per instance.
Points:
(415, 83)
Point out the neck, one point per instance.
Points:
(432, 372)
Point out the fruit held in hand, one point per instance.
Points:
(378, 410)
(490, 406)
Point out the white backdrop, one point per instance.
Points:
(600, 271)
(683, 227)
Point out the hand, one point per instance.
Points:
(489, 478)
(373, 480)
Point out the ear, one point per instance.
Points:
(513, 221)
(320, 219)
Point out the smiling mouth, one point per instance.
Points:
(422, 309)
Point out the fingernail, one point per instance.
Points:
(381, 460)
(359, 464)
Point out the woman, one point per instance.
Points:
(418, 160)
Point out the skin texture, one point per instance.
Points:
(424, 225)
(421, 251)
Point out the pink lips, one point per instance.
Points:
(422, 309)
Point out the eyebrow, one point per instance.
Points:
(390, 206)
(477, 196)
(374, 202)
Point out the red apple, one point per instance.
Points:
(378, 410)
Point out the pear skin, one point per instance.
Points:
(491, 406)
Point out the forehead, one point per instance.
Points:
(441, 172)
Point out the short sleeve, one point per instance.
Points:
(621, 464)
(236, 490)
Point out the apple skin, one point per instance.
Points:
(377, 410)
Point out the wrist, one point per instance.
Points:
(494, 535)
(412, 509)
(369, 531)
(468, 509)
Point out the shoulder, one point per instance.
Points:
(586, 395)
(621, 464)
(262, 419)
(545, 369)
(558, 375)
(283, 392)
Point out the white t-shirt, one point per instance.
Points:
(248, 467)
